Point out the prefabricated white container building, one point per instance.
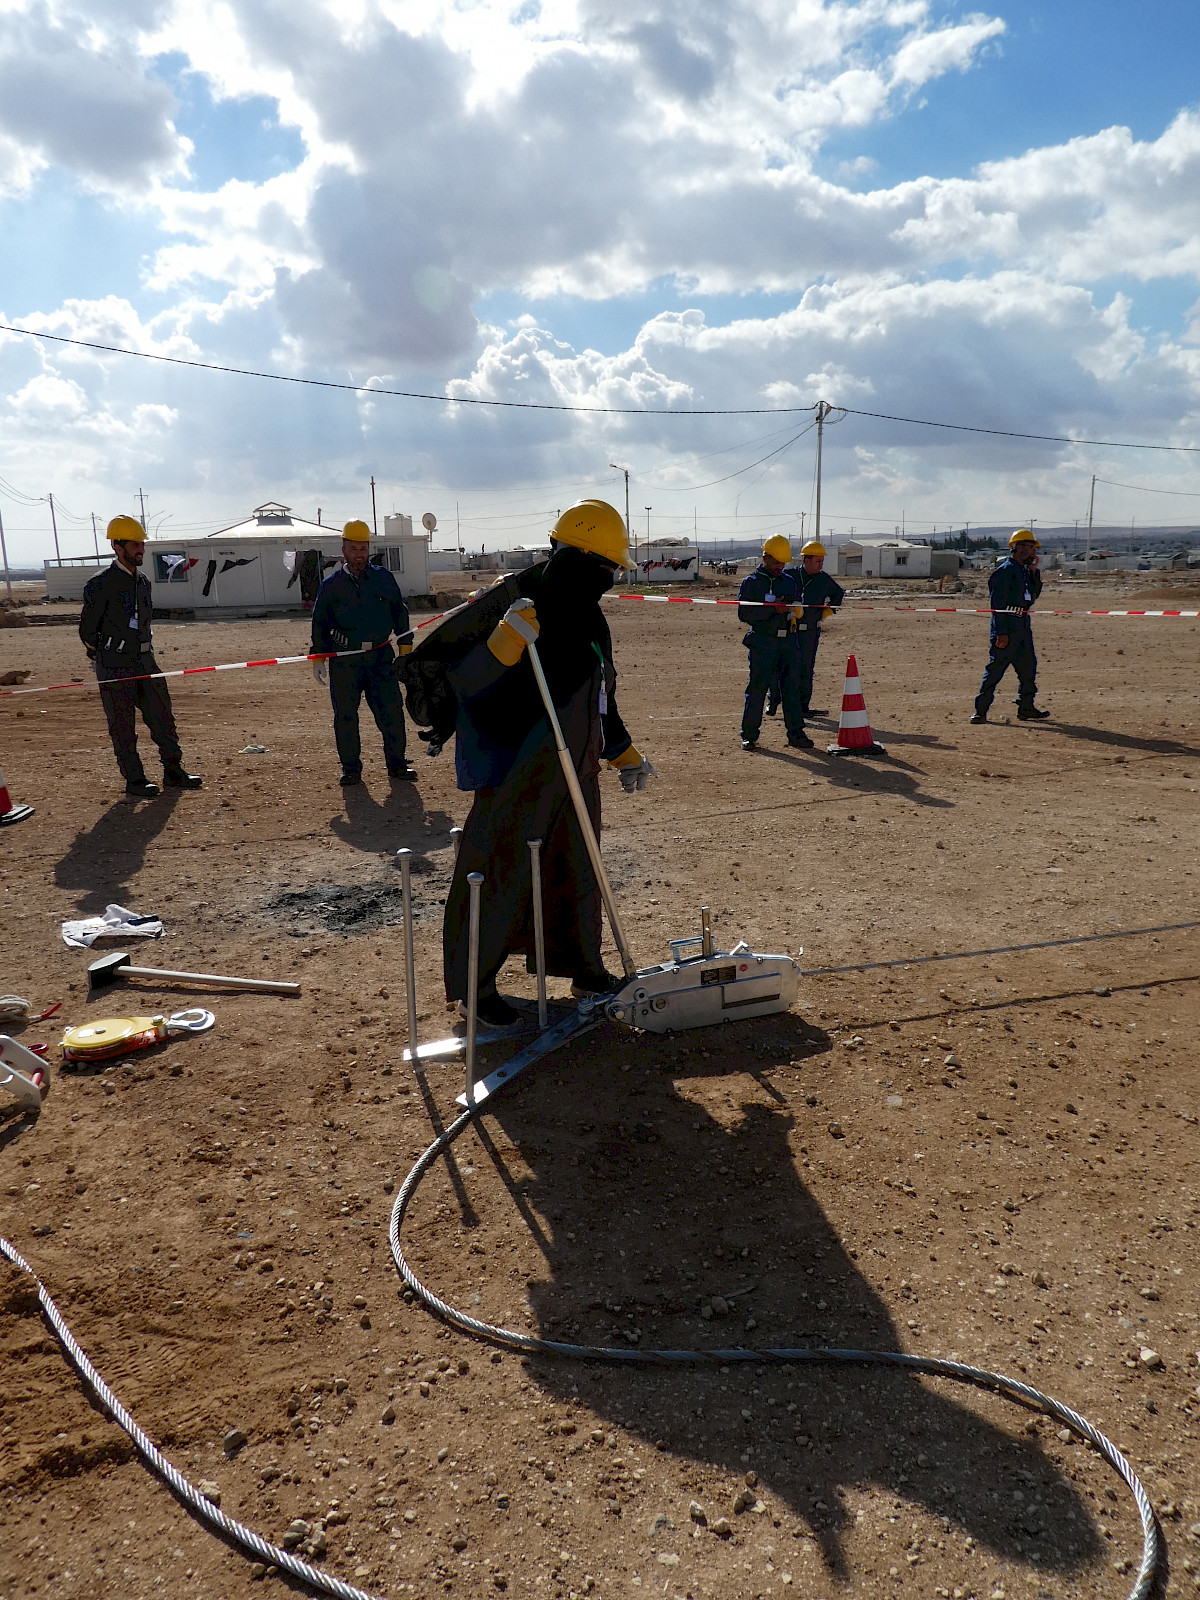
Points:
(676, 562)
(273, 561)
(883, 558)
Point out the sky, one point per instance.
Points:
(688, 222)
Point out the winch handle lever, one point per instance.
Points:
(581, 812)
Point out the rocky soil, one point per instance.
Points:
(992, 1157)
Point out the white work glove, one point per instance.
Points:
(321, 672)
(636, 778)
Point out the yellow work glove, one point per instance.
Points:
(828, 612)
(404, 644)
(516, 628)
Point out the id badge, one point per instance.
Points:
(603, 700)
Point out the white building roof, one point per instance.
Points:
(274, 518)
(877, 544)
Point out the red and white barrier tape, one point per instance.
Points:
(854, 605)
(223, 666)
(659, 599)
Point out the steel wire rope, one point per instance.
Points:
(186, 1491)
(1152, 1569)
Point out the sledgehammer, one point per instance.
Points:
(112, 968)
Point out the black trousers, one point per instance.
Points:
(126, 692)
(1018, 654)
(371, 675)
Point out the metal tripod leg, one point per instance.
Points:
(573, 1026)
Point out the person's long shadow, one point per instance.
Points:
(1123, 741)
(660, 1206)
(101, 861)
(400, 819)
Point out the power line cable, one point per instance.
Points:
(411, 394)
(1010, 433)
(623, 411)
(1141, 488)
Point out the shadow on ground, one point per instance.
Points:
(1123, 741)
(659, 1179)
(397, 821)
(104, 859)
(869, 773)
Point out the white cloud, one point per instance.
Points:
(584, 147)
(74, 94)
(929, 55)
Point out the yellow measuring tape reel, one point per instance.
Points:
(116, 1036)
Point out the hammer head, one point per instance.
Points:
(106, 970)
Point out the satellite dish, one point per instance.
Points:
(429, 522)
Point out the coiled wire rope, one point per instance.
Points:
(1151, 1573)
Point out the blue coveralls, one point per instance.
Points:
(1013, 589)
(815, 592)
(350, 612)
(771, 650)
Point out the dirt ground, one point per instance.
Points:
(992, 1157)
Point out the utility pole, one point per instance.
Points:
(142, 500)
(1091, 503)
(4, 553)
(648, 511)
(458, 527)
(823, 410)
(54, 525)
(95, 536)
(625, 470)
(374, 518)
(803, 514)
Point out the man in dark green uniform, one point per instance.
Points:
(361, 604)
(115, 628)
(505, 753)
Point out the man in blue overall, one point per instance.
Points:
(1014, 586)
(767, 604)
(819, 594)
(361, 604)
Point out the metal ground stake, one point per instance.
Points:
(539, 930)
(410, 963)
(475, 885)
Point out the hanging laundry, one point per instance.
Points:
(241, 561)
(211, 574)
(178, 566)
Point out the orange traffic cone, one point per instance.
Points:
(854, 730)
(8, 812)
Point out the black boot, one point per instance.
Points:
(176, 778)
(141, 788)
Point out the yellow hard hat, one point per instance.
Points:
(779, 547)
(122, 528)
(814, 547)
(357, 532)
(598, 528)
(1022, 536)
